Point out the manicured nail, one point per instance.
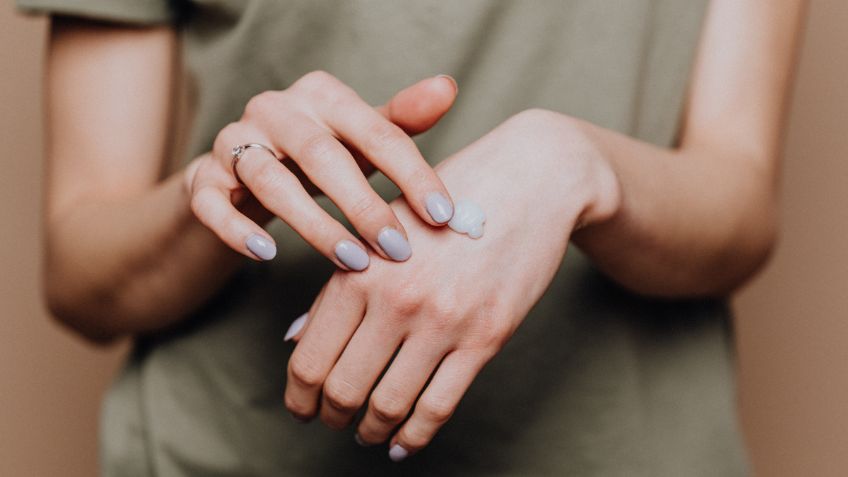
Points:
(398, 453)
(394, 244)
(452, 80)
(351, 255)
(359, 440)
(261, 247)
(295, 327)
(439, 207)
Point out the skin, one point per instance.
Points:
(302, 120)
(685, 236)
(109, 274)
(435, 311)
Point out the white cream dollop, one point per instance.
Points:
(468, 218)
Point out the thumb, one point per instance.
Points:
(419, 107)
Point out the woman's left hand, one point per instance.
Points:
(456, 302)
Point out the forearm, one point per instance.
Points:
(701, 219)
(133, 264)
(695, 221)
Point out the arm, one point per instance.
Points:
(120, 244)
(701, 219)
(125, 251)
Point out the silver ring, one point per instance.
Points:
(239, 151)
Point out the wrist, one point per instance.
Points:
(586, 185)
(540, 167)
(602, 196)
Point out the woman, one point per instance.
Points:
(659, 165)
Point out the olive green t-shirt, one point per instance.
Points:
(596, 382)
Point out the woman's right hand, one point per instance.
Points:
(319, 125)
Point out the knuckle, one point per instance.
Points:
(436, 410)
(195, 170)
(414, 437)
(316, 78)
(304, 371)
(489, 324)
(446, 304)
(341, 396)
(227, 137)
(370, 206)
(230, 226)
(387, 408)
(199, 200)
(261, 104)
(446, 311)
(405, 300)
(385, 136)
(493, 341)
(297, 408)
(371, 435)
(534, 115)
(442, 325)
(495, 334)
(318, 150)
(422, 177)
(265, 179)
(320, 85)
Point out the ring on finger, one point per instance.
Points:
(238, 151)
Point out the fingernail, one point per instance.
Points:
(452, 80)
(359, 440)
(398, 453)
(394, 244)
(439, 207)
(261, 247)
(295, 327)
(352, 255)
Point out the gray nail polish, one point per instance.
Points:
(296, 326)
(394, 244)
(439, 207)
(398, 453)
(351, 255)
(261, 247)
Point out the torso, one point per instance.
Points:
(595, 382)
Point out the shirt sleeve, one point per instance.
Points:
(141, 12)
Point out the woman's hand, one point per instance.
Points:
(320, 125)
(452, 306)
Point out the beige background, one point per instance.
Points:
(792, 322)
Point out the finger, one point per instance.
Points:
(391, 151)
(283, 194)
(331, 167)
(214, 208)
(353, 376)
(279, 191)
(419, 107)
(415, 109)
(330, 326)
(394, 396)
(437, 404)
